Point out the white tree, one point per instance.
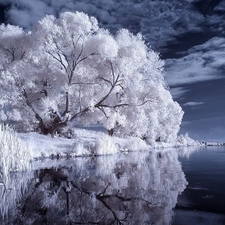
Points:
(77, 72)
(13, 44)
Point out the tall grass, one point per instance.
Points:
(13, 155)
(105, 145)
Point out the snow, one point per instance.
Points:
(13, 153)
(105, 145)
(91, 143)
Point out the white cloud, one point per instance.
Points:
(220, 6)
(159, 21)
(27, 13)
(177, 92)
(193, 103)
(22, 17)
(203, 62)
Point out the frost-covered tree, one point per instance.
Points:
(13, 47)
(73, 71)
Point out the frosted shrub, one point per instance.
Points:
(105, 145)
(13, 156)
(135, 144)
(185, 140)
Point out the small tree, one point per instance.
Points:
(75, 71)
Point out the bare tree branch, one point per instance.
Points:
(106, 80)
(59, 60)
(11, 52)
(103, 111)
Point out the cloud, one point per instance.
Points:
(177, 92)
(216, 19)
(202, 62)
(5, 2)
(205, 129)
(27, 13)
(158, 21)
(193, 103)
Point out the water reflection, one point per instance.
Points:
(12, 189)
(134, 188)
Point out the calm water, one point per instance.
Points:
(203, 200)
(178, 186)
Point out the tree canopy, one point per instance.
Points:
(68, 71)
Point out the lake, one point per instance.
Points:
(173, 186)
(203, 200)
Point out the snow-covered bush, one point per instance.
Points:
(69, 70)
(13, 155)
(105, 145)
(133, 144)
(185, 140)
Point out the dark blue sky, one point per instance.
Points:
(189, 34)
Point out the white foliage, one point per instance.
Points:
(73, 71)
(185, 140)
(135, 144)
(3, 116)
(105, 145)
(13, 154)
(78, 23)
(14, 115)
(104, 44)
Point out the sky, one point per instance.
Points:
(189, 34)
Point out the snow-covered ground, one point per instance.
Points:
(17, 150)
(89, 143)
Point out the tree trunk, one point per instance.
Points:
(110, 132)
(55, 127)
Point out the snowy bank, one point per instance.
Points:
(13, 154)
(18, 149)
(91, 143)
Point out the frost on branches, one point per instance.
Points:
(68, 70)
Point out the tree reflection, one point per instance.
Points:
(137, 188)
